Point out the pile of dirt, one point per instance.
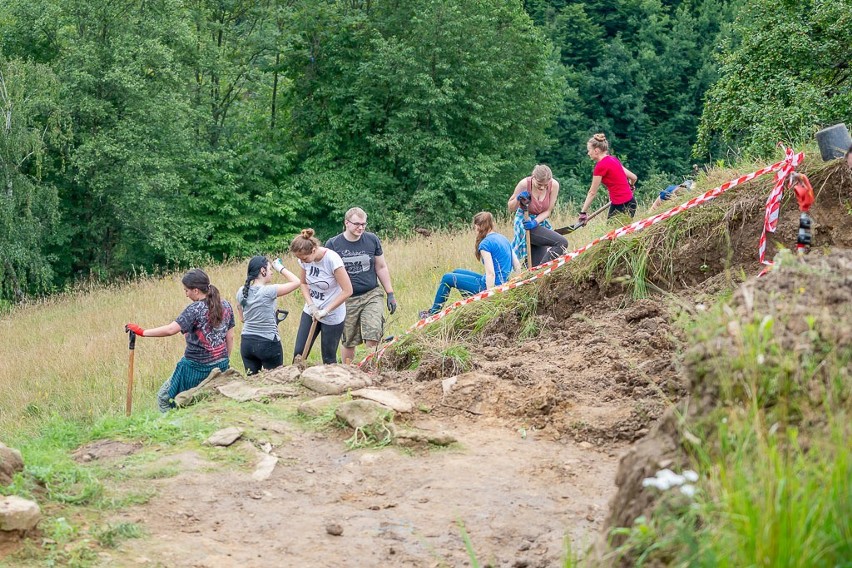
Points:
(602, 376)
(809, 302)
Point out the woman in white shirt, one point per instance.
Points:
(325, 286)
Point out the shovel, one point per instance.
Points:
(575, 226)
(132, 347)
(280, 315)
(307, 350)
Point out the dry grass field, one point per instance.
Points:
(68, 355)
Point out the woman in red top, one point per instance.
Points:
(619, 181)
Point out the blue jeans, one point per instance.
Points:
(467, 282)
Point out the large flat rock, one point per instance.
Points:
(396, 401)
(335, 379)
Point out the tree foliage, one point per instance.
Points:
(29, 117)
(154, 134)
(787, 76)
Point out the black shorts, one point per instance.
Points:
(629, 208)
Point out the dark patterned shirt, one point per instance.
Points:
(204, 343)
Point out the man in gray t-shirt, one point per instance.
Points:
(365, 263)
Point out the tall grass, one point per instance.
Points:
(68, 355)
(772, 407)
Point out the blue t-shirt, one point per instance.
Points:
(666, 194)
(501, 253)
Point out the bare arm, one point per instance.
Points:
(240, 311)
(488, 262)
(383, 273)
(516, 264)
(229, 341)
(631, 177)
(303, 282)
(513, 201)
(593, 191)
(656, 204)
(164, 330)
(293, 282)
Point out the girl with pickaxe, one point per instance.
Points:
(207, 324)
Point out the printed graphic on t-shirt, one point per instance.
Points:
(357, 264)
(205, 343)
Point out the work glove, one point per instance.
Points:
(321, 314)
(278, 265)
(391, 303)
(135, 329)
(523, 195)
(312, 310)
(583, 218)
(530, 225)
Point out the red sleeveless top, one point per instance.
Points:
(539, 206)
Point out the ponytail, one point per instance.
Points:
(255, 265)
(198, 279)
(214, 306)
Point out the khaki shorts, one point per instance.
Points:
(365, 318)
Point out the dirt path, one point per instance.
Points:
(518, 496)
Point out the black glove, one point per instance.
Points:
(391, 303)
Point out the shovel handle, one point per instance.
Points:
(307, 350)
(132, 347)
(281, 315)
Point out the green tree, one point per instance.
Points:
(29, 117)
(426, 108)
(124, 85)
(786, 76)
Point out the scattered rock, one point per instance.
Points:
(320, 405)
(11, 463)
(265, 467)
(360, 413)
(216, 378)
(243, 392)
(335, 379)
(396, 401)
(334, 529)
(408, 437)
(18, 514)
(225, 437)
(448, 384)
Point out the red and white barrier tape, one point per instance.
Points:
(773, 205)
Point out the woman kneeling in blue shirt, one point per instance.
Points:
(493, 250)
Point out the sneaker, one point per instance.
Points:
(423, 314)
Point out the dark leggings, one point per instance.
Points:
(260, 352)
(328, 344)
(629, 208)
(546, 245)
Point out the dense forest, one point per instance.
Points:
(142, 135)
